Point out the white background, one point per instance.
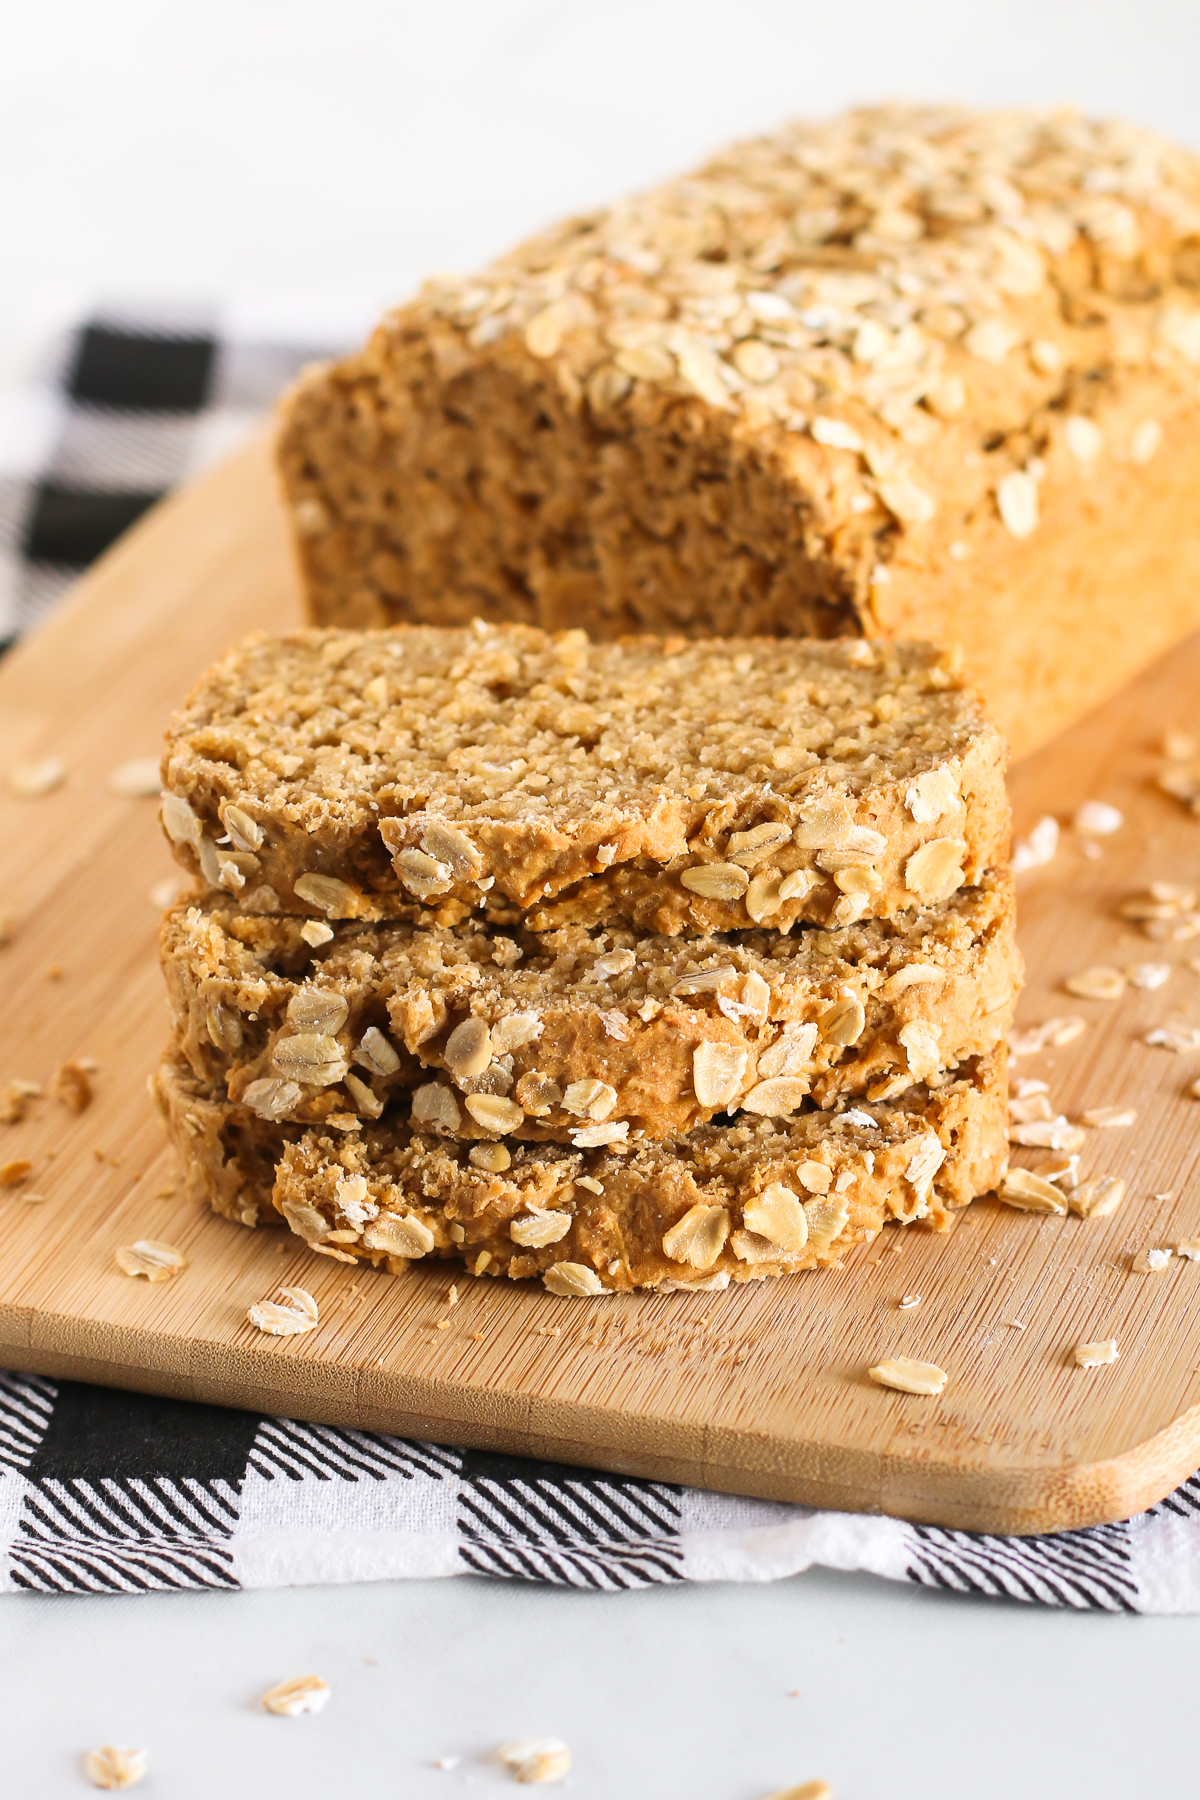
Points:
(315, 158)
(335, 151)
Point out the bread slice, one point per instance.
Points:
(718, 1204)
(688, 786)
(584, 1034)
(913, 372)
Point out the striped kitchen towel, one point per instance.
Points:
(122, 409)
(102, 1492)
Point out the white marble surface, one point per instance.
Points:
(307, 158)
(722, 1693)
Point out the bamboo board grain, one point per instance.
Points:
(760, 1390)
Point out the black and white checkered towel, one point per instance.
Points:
(121, 411)
(102, 1492)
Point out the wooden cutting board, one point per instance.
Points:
(760, 1390)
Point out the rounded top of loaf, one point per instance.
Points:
(859, 285)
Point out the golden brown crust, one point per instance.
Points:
(693, 1211)
(697, 786)
(667, 1031)
(913, 371)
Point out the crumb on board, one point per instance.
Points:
(34, 780)
(73, 1086)
(292, 1316)
(152, 1258)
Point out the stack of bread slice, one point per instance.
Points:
(655, 963)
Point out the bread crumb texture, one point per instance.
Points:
(741, 1201)
(677, 785)
(574, 1027)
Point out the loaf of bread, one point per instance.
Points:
(578, 1035)
(911, 373)
(684, 786)
(762, 1197)
(622, 964)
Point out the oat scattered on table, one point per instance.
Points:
(1148, 974)
(1098, 983)
(1182, 781)
(32, 780)
(1098, 1198)
(908, 1376)
(302, 1694)
(1166, 911)
(1096, 818)
(1108, 1118)
(1030, 1109)
(1176, 1035)
(908, 1301)
(1031, 1193)
(1038, 849)
(296, 1314)
(1056, 1032)
(1057, 1133)
(73, 1086)
(536, 1761)
(166, 892)
(808, 1790)
(149, 1257)
(13, 1173)
(1150, 1262)
(1093, 1356)
(112, 1767)
(14, 1099)
(1062, 1169)
(136, 780)
(1189, 1249)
